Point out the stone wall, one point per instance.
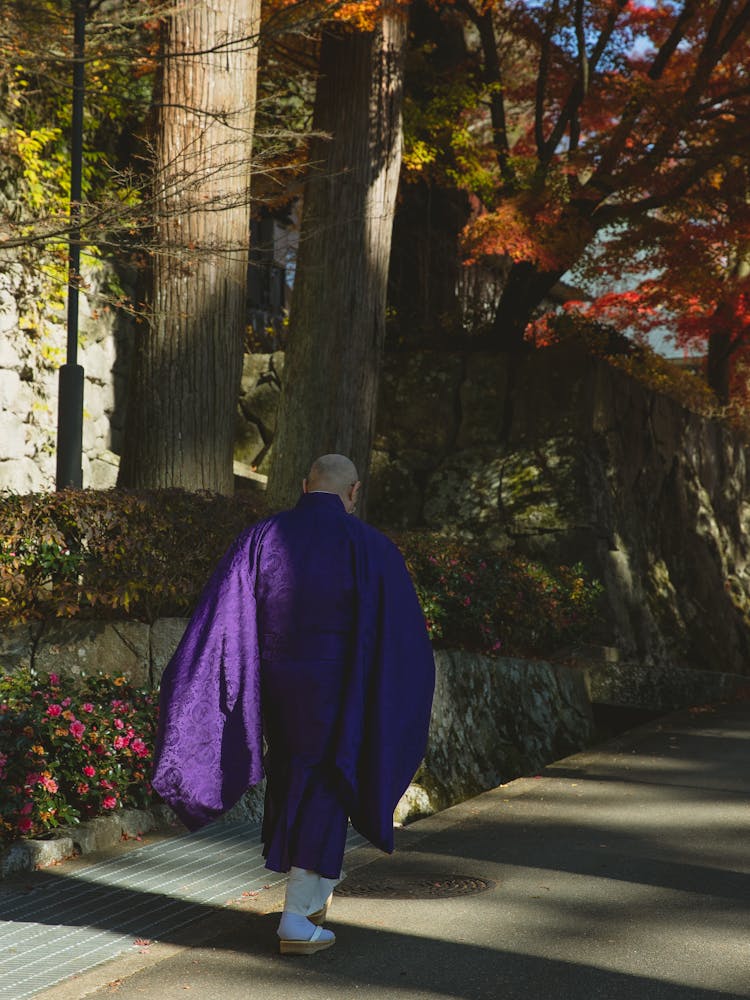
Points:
(568, 459)
(493, 719)
(32, 348)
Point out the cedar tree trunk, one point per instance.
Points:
(337, 318)
(188, 358)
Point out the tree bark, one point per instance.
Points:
(524, 290)
(718, 364)
(337, 317)
(188, 358)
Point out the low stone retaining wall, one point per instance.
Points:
(493, 719)
(100, 834)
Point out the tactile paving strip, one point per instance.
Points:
(74, 921)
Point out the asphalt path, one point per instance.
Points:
(621, 872)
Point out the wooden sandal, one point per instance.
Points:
(320, 915)
(308, 947)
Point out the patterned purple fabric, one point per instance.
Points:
(309, 590)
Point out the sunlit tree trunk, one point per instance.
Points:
(188, 358)
(337, 320)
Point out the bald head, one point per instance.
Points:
(334, 474)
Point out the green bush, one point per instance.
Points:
(143, 555)
(114, 554)
(71, 750)
(505, 605)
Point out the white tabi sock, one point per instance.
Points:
(306, 893)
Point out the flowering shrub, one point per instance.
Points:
(506, 605)
(71, 750)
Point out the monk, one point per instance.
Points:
(309, 634)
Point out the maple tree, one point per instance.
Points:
(688, 275)
(592, 115)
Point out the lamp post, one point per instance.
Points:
(70, 400)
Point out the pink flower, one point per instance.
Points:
(50, 784)
(82, 788)
(87, 707)
(77, 729)
(89, 771)
(66, 702)
(24, 825)
(119, 724)
(109, 802)
(120, 742)
(54, 679)
(139, 748)
(105, 784)
(54, 710)
(26, 808)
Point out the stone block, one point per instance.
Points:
(248, 440)
(50, 852)
(22, 475)
(413, 803)
(12, 436)
(79, 647)
(97, 359)
(98, 834)
(134, 822)
(10, 388)
(164, 637)
(16, 646)
(254, 366)
(103, 471)
(277, 364)
(89, 433)
(260, 405)
(8, 323)
(464, 492)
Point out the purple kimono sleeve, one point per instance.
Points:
(388, 702)
(209, 740)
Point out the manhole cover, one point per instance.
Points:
(413, 886)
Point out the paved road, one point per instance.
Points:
(621, 872)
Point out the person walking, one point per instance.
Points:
(309, 635)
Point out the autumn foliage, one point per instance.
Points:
(604, 118)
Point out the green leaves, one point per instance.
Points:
(503, 605)
(113, 554)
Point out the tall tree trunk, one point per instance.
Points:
(188, 359)
(337, 319)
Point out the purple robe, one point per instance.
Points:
(310, 626)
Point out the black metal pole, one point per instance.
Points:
(70, 404)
